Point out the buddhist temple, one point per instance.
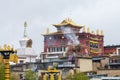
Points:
(72, 39)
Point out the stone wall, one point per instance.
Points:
(109, 72)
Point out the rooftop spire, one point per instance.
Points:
(25, 24)
(25, 32)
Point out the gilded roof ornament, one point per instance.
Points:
(25, 24)
(47, 30)
(84, 29)
(101, 32)
(97, 31)
(66, 22)
(88, 30)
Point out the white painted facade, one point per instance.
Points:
(26, 55)
(118, 51)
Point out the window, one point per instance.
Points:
(63, 48)
(93, 45)
(50, 49)
(21, 61)
(55, 49)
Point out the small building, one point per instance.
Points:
(100, 62)
(83, 64)
(111, 66)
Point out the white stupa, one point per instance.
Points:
(25, 52)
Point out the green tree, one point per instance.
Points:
(14, 76)
(80, 76)
(30, 75)
(2, 72)
(77, 76)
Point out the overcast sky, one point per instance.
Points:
(40, 14)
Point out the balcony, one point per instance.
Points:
(54, 60)
(52, 53)
(114, 62)
(111, 64)
(66, 66)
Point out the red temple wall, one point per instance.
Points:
(83, 38)
(109, 50)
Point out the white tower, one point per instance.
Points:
(25, 52)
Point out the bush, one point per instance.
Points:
(30, 75)
(77, 76)
(2, 72)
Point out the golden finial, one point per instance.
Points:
(97, 31)
(88, 30)
(84, 29)
(101, 32)
(25, 24)
(47, 31)
(13, 47)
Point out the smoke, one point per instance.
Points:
(74, 47)
(51, 41)
(71, 36)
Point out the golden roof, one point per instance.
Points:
(66, 22)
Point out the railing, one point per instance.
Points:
(115, 63)
(66, 65)
(110, 78)
(53, 52)
(54, 60)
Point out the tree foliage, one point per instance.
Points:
(77, 76)
(14, 76)
(2, 72)
(30, 75)
(80, 76)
